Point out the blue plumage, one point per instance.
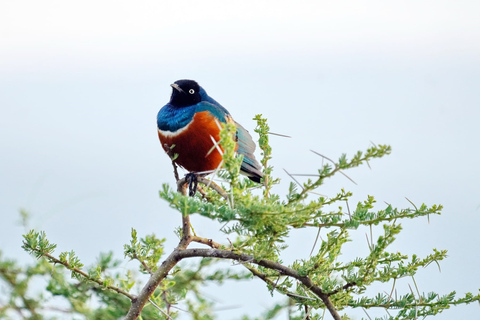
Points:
(171, 118)
(188, 100)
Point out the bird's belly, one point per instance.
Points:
(193, 143)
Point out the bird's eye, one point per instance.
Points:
(191, 91)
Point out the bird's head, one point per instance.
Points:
(185, 93)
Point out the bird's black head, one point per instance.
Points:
(185, 93)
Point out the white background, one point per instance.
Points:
(81, 83)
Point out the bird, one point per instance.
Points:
(190, 120)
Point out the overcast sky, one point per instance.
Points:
(80, 86)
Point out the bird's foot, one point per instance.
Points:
(192, 183)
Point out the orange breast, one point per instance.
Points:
(194, 144)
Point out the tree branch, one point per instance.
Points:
(86, 276)
(144, 265)
(180, 253)
(139, 302)
(208, 242)
(226, 254)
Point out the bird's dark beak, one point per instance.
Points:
(177, 87)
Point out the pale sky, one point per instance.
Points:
(80, 86)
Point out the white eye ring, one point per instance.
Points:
(191, 91)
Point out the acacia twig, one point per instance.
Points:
(263, 277)
(144, 264)
(84, 275)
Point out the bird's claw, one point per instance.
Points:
(192, 183)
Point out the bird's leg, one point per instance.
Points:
(192, 183)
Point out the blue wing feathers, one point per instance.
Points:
(246, 146)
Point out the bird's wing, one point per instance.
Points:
(246, 146)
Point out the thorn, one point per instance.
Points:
(216, 144)
(278, 134)
(411, 290)
(371, 234)
(174, 307)
(393, 288)
(231, 201)
(321, 155)
(316, 239)
(294, 179)
(412, 203)
(299, 296)
(366, 313)
(418, 292)
(348, 208)
(416, 306)
(160, 309)
(218, 124)
(368, 242)
(347, 177)
(215, 173)
(318, 194)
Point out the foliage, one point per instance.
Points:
(259, 222)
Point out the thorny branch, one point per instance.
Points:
(181, 252)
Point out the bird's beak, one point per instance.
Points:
(177, 87)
